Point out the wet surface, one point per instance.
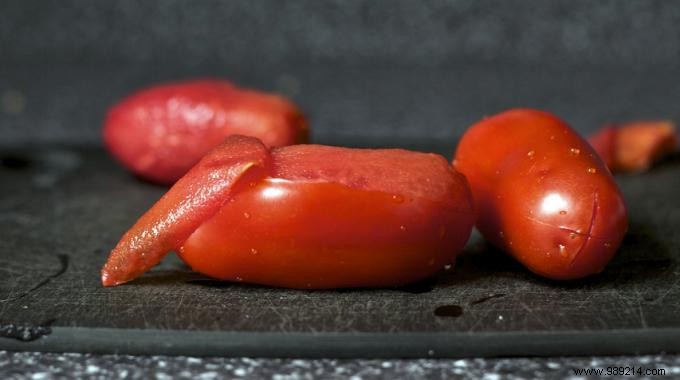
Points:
(14, 162)
(453, 311)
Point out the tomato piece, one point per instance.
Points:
(160, 132)
(191, 201)
(634, 146)
(542, 194)
(308, 217)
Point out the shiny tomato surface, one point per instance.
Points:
(160, 132)
(326, 235)
(305, 216)
(542, 194)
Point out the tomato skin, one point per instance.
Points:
(195, 198)
(326, 235)
(542, 194)
(160, 132)
(634, 146)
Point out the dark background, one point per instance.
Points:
(365, 72)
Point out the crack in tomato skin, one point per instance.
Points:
(588, 234)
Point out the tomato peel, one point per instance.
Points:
(193, 199)
(542, 194)
(634, 146)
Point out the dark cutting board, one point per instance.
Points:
(62, 210)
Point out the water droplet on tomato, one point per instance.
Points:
(592, 170)
(239, 279)
(246, 215)
(403, 228)
(398, 198)
(448, 267)
(563, 249)
(552, 138)
(501, 234)
(572, 235)
(607, 245)
(531, 154)
(574, 151)
(253, 251)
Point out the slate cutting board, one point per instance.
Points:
(62, 209)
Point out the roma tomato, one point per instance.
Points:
(635, 146)
(542, 194)
(160, 132)
(306, 216)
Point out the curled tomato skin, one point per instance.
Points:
(326, 235)
(195, 198)
(160, 132)
(305, 216)
(634, 146)
(542, 194)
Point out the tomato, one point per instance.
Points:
(634, 146)
(308, 216)
(542, 194)
(160, 132)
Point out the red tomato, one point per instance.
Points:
(310, 217)
(542, 194)
(634, 146)
(159, 133)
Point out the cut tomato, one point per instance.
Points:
(312, 217)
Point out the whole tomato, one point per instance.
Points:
(160, 132)
(305, 216)
(542, 194)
